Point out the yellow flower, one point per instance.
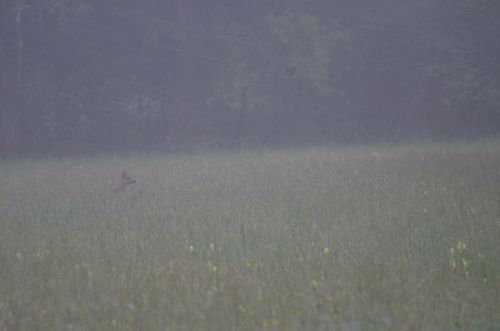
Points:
(326, 251)
(214, 268)
(113, 323)
(191, 248)
(19, 255)
(212, 247)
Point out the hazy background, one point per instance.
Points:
(330, 228)
(93, 76)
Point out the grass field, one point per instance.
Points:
(403, 237)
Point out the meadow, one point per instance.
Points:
(381, 237)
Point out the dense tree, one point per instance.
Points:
(88, 75)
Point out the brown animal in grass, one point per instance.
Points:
(125, 181)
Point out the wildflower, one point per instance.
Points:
(19, 255)
(212, 247)
(113, 323)
(214, 268)
(326, 251)
(191, 248)
(424, 210)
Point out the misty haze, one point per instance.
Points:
(249, 165)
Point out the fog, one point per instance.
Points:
(89, 76)
(249, 165)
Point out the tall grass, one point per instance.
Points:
(370, 238)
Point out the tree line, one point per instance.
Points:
(83, 76)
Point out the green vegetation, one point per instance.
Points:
(399, 237)
(79, 76)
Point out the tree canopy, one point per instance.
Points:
(94, 76)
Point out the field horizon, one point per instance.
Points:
(374, 237)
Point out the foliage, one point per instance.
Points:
(380, 237)
(304, 70)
